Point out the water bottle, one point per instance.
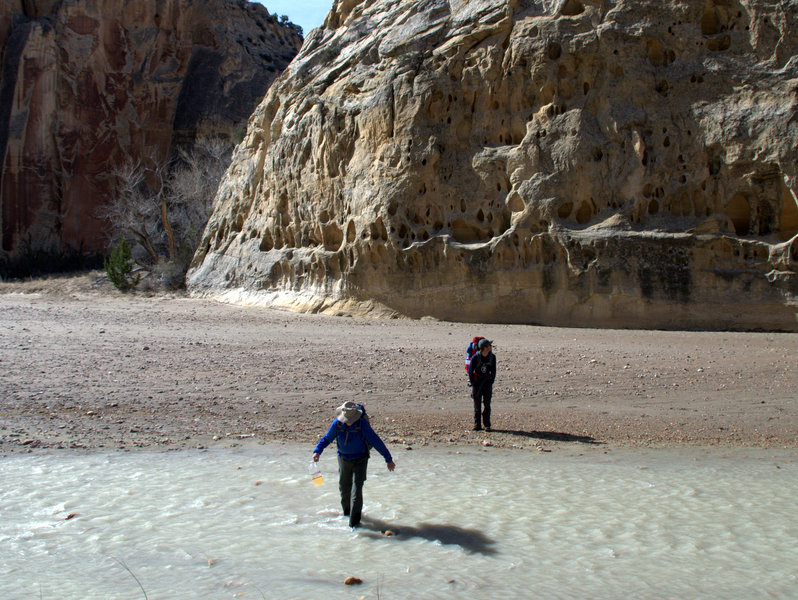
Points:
(315, 473)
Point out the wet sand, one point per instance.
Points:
(87, 368)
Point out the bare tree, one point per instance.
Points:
(135, 210)
(193, 186)
(161, 208)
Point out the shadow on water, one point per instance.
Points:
(553, 436)
(470, 540)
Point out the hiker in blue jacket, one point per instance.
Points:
(354, 436)
(482, 374)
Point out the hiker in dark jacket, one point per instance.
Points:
(481, 374)
(354, 436)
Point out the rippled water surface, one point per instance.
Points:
(474, 524)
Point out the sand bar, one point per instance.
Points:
(84, 367)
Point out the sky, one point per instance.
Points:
(308, 14)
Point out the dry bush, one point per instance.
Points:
(161, 208)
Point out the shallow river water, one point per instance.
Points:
(248, 523)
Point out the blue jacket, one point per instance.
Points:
(353, 440)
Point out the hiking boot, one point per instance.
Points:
(488, 428)
(477, 428)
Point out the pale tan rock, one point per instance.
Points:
(87, 85)
(580, 162)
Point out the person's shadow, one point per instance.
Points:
(553, 436)
(470, 540)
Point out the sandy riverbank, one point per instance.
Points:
(85, 367)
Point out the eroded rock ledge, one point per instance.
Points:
(581, 162)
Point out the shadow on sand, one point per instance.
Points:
(550, 435)
(470, 540)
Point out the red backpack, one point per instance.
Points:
(471, 350)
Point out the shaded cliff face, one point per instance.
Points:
(574, 162)
(86, 85)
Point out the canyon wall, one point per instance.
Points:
(602, 163)
(88, 85)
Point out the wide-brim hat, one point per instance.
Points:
(349, 412)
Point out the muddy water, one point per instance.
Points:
(474, 524)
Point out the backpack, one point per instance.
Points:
(471, 350)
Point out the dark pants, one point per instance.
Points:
(482, 398)
(351, 477)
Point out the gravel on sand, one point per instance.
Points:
(85, 367)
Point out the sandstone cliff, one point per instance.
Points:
(612, 163)
(87, 84)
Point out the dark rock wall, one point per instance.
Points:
(88, 85)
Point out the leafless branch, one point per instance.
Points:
(162, 207)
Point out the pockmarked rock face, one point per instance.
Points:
(605, 163)
(87, 85)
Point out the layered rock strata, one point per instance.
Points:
(87, 85)
(605, 163)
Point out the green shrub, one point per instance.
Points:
(119, 267)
